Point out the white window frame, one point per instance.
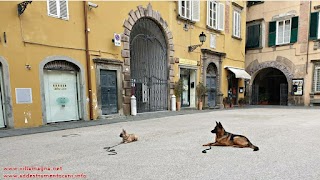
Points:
(236, 28)
(190, 10)
(283, 31)
(58, 15)
(216, 21)
(183, 9)
(316, 80)
(212, 21)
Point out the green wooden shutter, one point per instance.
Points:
(272, 33)
(253, 36)
(294, 29)
(313, 31)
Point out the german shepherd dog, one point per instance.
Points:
(224, 138)
(127, 138)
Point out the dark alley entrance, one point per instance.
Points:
(270, 87)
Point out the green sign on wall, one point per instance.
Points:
(62, 100)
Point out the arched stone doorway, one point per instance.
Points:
(6, 115)
(270, 87)
(2, 104)
(212, 62)
(149, 68)
(150, 65)
(211, 84)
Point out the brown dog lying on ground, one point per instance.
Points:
(127, 138)
(224, 138)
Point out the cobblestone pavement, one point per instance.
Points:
(170, 148)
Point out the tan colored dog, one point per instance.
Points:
(127, 138)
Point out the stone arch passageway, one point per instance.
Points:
(270, 87)
(146, 26)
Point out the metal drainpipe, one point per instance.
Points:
(307, 63)
(85, 8)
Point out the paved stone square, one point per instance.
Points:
(170, 148)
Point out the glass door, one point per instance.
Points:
(185, 77)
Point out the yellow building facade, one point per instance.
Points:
(69, 60)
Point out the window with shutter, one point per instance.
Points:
(294, 29)
(314, 30)
(215, 15)
(180, 8)
(221, 17)
(58, 8)
(283, 32)
(239, 25)
(316, 79)
(287, 31)
(253, 35)
(189, 10)
(236, 24)
(319, 25)
(233, 26)
(272, 33)
(186, 9)
(52, 8)
(212, 11)
(195, 11)
(63, 9)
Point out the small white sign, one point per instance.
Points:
(117, 39)
(297, 87)
(212, 41)
(23, 95)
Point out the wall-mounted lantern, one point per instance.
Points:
(22, 6)
(202, 38)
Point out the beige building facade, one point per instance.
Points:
(282, 52)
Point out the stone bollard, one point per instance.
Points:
(133, 105)
(173, 103)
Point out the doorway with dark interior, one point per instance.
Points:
(270, 87)
(232, 87)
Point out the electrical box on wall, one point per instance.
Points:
(192, 84)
